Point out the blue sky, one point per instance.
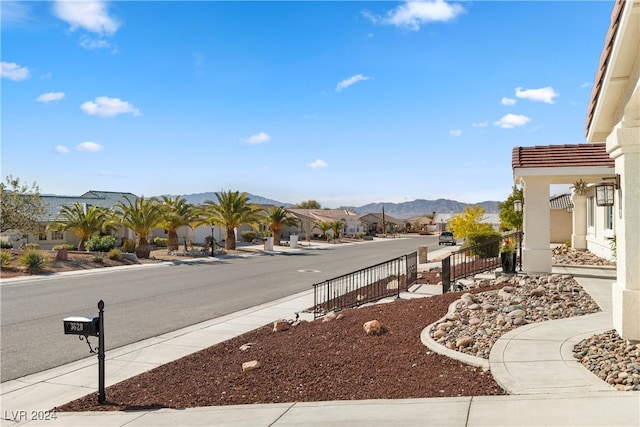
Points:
(345, 103)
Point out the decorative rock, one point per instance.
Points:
(250, 366)
(62, 255)
(464, 342)
(538, 292)
(280, 325)
(329, 316)
(475, 321)
(247, 346)
(372, 327)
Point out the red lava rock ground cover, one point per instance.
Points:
(313, 361)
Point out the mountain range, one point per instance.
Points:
(402, 210)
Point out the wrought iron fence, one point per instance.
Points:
(366, 285)
(476, 259)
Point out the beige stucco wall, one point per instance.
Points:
(561, 226)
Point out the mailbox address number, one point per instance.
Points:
(76, 327)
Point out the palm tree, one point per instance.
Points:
(278, 218)
(325, 226)
(336, 227)
(176, 213)
(232, 210)
(141, 216)
(82, 221)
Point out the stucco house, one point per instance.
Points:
(308, 219)
(608, 163)
(372, 223)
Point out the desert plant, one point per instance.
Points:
(33, 260)
(128, 245)
(101, 243)
(27, 246)
(176, 213)
(277, 218)
(98, 258)
(115, 254)
(5, 259)
(66, 246)
(160, 242)
(5, 244)
(142, 216)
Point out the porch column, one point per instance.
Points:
(579, 235)
(623, 145)
(536, 252)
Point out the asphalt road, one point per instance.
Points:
(153, 300)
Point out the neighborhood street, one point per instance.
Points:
(147, 301)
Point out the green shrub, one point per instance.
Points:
(247, 236)
(65, 246)
(30, 246)
(33, 260)
(115, 254)
(481, 237)
(98, 258)
(5, 244)
(162, 242)
(101, 243)
(360, 235)
(5, 259)
(128, 245)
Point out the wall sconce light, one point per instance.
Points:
(517, 205)
(570, 208)
(605, 190)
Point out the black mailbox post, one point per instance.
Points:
(86, 327)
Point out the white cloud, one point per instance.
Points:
(512, 120)
(89, 15)
(89, 146)
(508, 101)
(50, 96)
(586, 84)
(91, 44)
(480, 124)
(61, 149)
(456, 132)
(413, 14)
(351, 80)
(108, 107)
(544, 94)
(14, 11)
(318, 164)
(12, 71)
(258, 138)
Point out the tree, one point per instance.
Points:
(232, 210)
(141, 216)
(325, 226)
(176, 213)
(21, 207)
(82, 221)
(336, 227)
(468, 222)
(278, 218)
(509, 218)
(308, 204)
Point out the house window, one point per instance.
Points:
(590, 211)
(608, 217)
(57, 235)
(42, 232)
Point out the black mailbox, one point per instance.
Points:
(82, 326)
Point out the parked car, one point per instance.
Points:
(446, 237)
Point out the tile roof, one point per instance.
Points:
(604, 62)
(559, 156)
(562, 201)
(371, 218)
(322, 214)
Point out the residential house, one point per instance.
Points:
(372, 223)
(561, 218)
(310, 217)
(611, 156)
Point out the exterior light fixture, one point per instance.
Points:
(605, 190)
(570, 207)
(517, 205)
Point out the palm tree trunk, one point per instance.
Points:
(172, 241)
(143, 250)
(230, 243)
(81, 245)
(276, 236)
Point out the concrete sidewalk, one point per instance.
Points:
(534, 363)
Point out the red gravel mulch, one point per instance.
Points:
(313, 361)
